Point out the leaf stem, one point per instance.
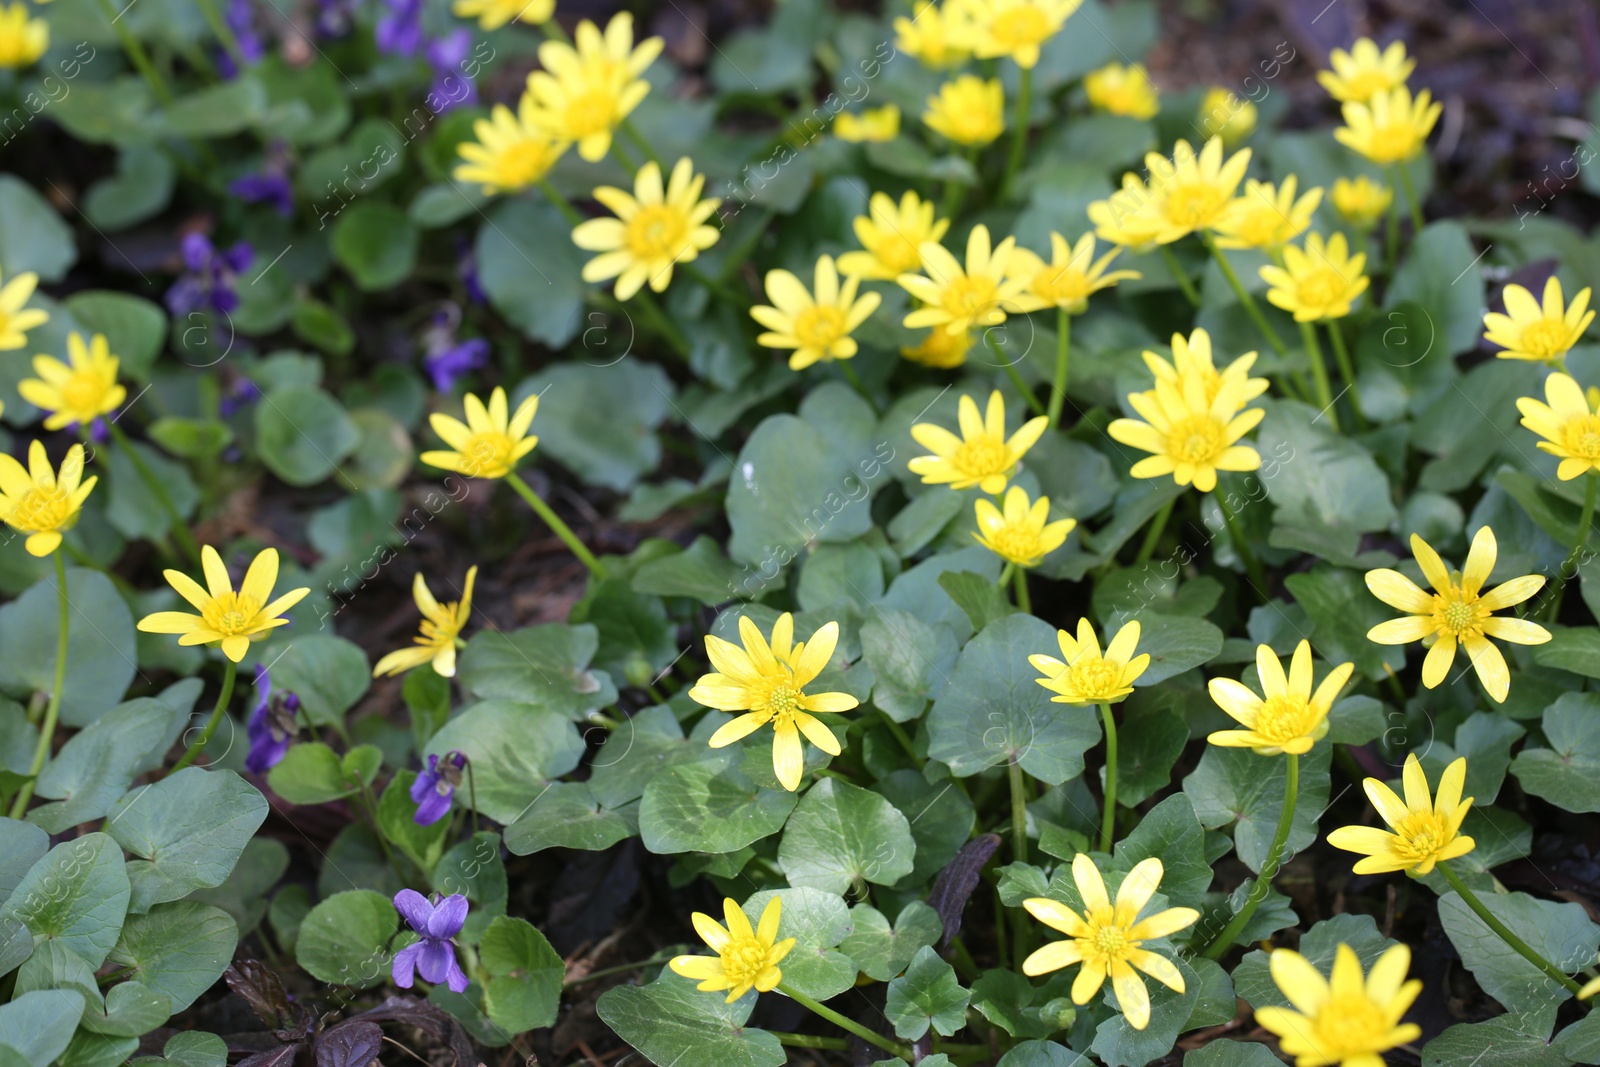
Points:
(898, 732)
(1153, 535)
(848, 1025)
(180, 528)
(52, 712)
(1319, 372)
(1181, 275)
(1269, 868)
(1011, 371)
(230, 673)
(1108, 820)
(1347, 369)
(136, 54)
(558, 527)
(1019, 812)
(1252, 565)
(1058, 388)
(624, 968)
(1250, 306)
(1019, 581)
(1518, 945)
(1412, 203)
(835, 1044)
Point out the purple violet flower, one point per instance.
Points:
(433, 954)
(272, 725)
(448, 364)
(435, 790)
(334, 18)
(240, 18)
(265, 186)
(399, 31)
(467, 267)
(240, 395)
(451, 85)
(209, 276)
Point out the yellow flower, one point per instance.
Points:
(654, 229)
(1569, 426)
(1223, 114)
(78, 391)
(488, 444)
(817, 325)
(1016, 28)
(227, 618)
(1528, 331)
(1191, 437)
(1590, 988)
(1457, 612)
(1361, 202)
(940, 349)
(492, 14)
(1317, 282)
(1391, 127)
(745, 958)
(585, 92)
(1122, 90)
(931, 36)
(1288, 716)
(1364, 72)
(1350, 1021)
(875, 124)
(957, 299)
(1087, 677)
(1191, 358)
(769, 682)
(1069, 279)
(1119, 220)
(1427, 828)
(893, 237)
(1267, 217)
(1023, 534)
(982, 456)
(1189, 192)
(22, 40)
(969, 110)
(511, 153)
(39, 502)
(440, 636)
(1108, 939)
(15, 320)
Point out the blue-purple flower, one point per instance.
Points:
(270, 184)
(272, 725)
(435, 788)
(467, 267)
(240, 395)
(399, 30)
(433, 954)
(209, 276)
(334, 18)
(241, 19)
(451, 86)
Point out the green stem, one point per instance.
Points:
(1005, 576)
(898, 732)
(1058, 388)
(1250, 306)
(1019, 812)
(1019, 579)
(1019, 135)
(624, 156)
(1153, 535)
(848, 1025)
(664, 325)
(180, 528)
(230, 673)
(1181, 275)
(855, 381)
(1412, 203)
(1108, 820)
(631, 132)
(835, 1044)
(559, 528)
(1347, 369)
(1319, 372)
(1269, 868)
(136, 54)
(1391, 237)
(607, 972)
(224, 32)
(1015, 376)
(1252, 565)
(562, 204)
(52, 712)
(1569, 569)
(1517, 944)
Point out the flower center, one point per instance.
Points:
(42, 509)
(1020, 544)
(1095, 676)
(1061, 285)
(231, 613)
(1546, 338)
(487, 455)
(435, 635)
(83, 392)
(1021, 25)
(1392, 141)
(744, 959)
(1349, 1025)
(656, 232)
(980, 455)
(1281, 719)
(967, 296)
(1197, 439)
(1260, 228)
(590, 112)
(1582, 436)
(524, 163)
(898, 253)
(1364, 85)
(819, 326)
(1420, 835)
(1458, 615)
(1321, 288)
(1192, 203)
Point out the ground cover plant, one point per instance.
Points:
(870, 535)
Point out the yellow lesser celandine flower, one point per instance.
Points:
(1107, 939)
(1023, 534)
(16, 320)
(1457, 612)
(892, 236)
(1122, 90)
(1590, 988)
(1288, 716)
(1267, 217)
(1320, 281)
(1544, 334)
(1569, 425)
(1363, 72)
(940, 349)
(1391, 127)
(492, 14)
(816, 324)
(1189, 436)
(490, 443)
(932, 36)
(1119, 218)
(226, 618)
(1191, 358)
(78, 391)
(1069, 279)
(767, 682)
(1189, 192)
(982, 456)
(957, 297)
(1349, 1021)
(22, 40)
(441, 632)
(746, 958)
(1427, 827)
(654, 229)
(1361, 202)
(40, 501)
(512, 150)
(1085, 676)
(875, 124)
(1223, 114)
(1016, 28)
(968, 110)
(589, 87)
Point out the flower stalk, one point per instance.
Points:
(180, 528)
(1058, 388)
(848, 1025)
(52, 711)
(1182, 276)
(230, 673)
(1019, 135)
(1319, 372)
(1569, 569)
(557, 526)
(1269, 868)
(1502, 931)
(1249, 302)
(1108, 818)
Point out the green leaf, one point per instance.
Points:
(362, 764)
(310, 773)
(1437, 275)
(567, 815)
(100, 643)
(600, 421)
(1511, 1040)
(672, 1022)
(524, 987)
(1042, 1054)
(941, 817)
(1224, 1053)
(1327, 479)
(398, 824)
(328, 674)
(303, 434)
(21, 846)
(545, 665)
(1176, 643)
(1484, 739)
(709, 805)
(881, 952)
(180, 949)
(1118, 1044)
(818, 920)
(1150, 743)
(243, 894)
(980, 599)
(191, 438)
(1567, 773)
(928, 994)
(215, 111)
(321, 327)
(531, 271)
(700, 571)
(77, 896)
(649, 740)
(132, 508)
(98, 764)
(1579, 1042)
(345, 939)
(132, 1008)
(1561, 933)
(1252, 980)
(1570, 648)
(140, 189)
(96, 1050)
(1005, 998)
(1342, 610)
(306, 104)
(33, 236)
(635, 633)
(188, 830)
(1171, 832)
(36, 1027)
(1467, 423)
(840, 836)
(1236, 786)
(377, 243)
(514, 751)
(135, 329)
(474, 869)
